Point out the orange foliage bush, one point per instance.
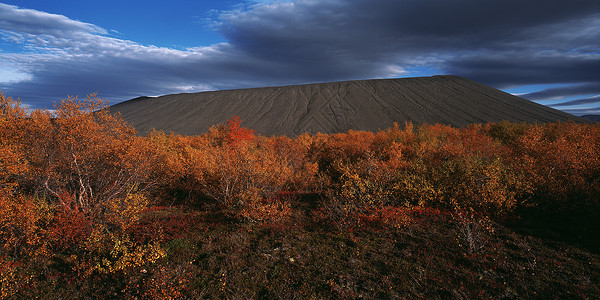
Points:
(71, 225)
(276, 209)
(236, 133)
(563, 160)
(73, 182)
(82, 150)
(234, 168)
(21, 216)
(64, 174)
(435, 165)
(9, 281)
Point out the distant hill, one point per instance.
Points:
(593, 118)
(337, 107)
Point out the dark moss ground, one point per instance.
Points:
(428, 256)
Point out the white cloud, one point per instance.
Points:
(394, 71)
(29, 21)
(12, 76)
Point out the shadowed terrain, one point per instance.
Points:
(337, 107)
(594, 118)
(89, 210)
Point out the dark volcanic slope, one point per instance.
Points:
(337, 107)
(593, 118)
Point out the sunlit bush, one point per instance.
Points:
(75, 181)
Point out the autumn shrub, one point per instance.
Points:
(451, 168)
(239, 170)
(25, 250)
(8, 278)
(70, 226)
(82, 150)
(232, 167)
(273, 209)
(436, 166)
(109, 253)
(67, 177)
(76, 181)
(563, 162)
(173, 181)
(22, 217)
(507, 132)
(414, 185)
(362, 169)
(357, 194)
(388, 217)
(474, 230)
(487, 186)
(295, 154)
(356, 169)
(334, 152)
(23, 223)
(12, 160)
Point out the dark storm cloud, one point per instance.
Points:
(501, 43)
(559, 92)
(505, 44)
(583, 111)
(397, 26)
(405, 31)
(523, 68)
(593, 100)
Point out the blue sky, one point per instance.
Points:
(49, 50)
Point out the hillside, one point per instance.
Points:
(337, 107)
(89, 210)
(593, 118)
